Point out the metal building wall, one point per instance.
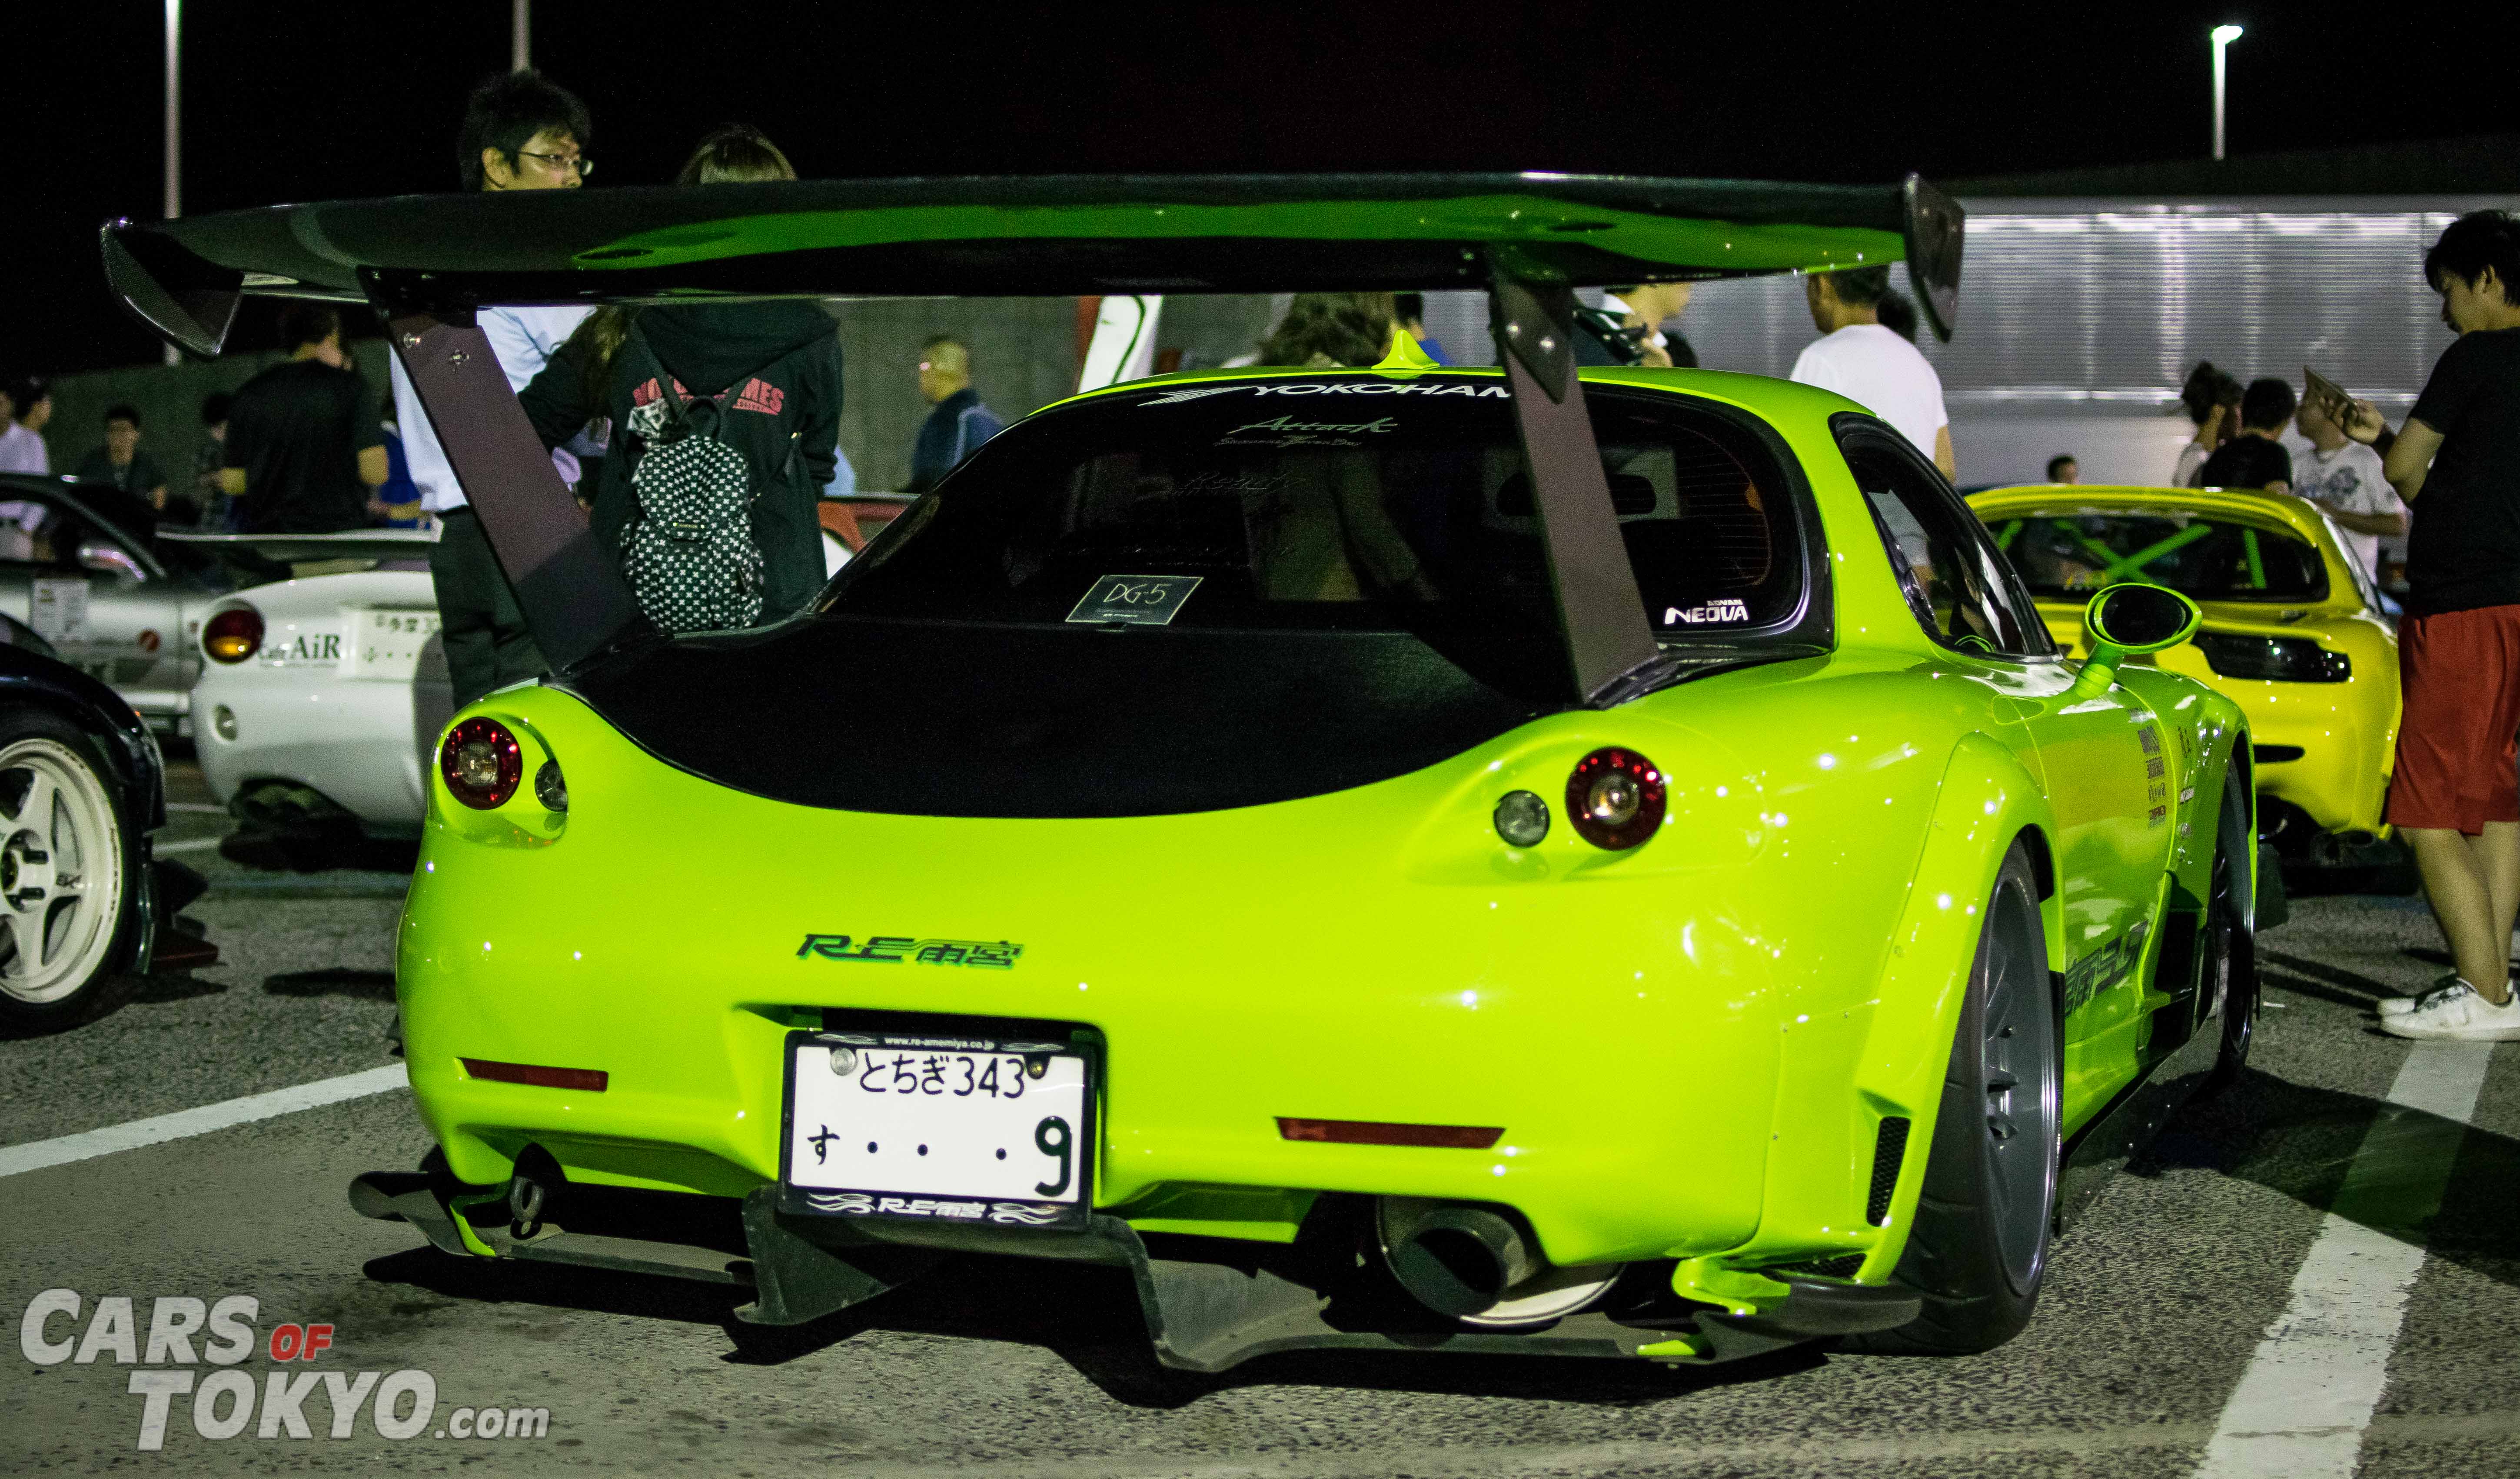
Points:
(2080, 318)
(2076, 301)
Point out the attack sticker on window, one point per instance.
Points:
(1135, 600)
(1286, 431)
(1712, 614)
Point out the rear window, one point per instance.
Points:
(1362, 503)
(2073, 552)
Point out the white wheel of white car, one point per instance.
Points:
(62, 869)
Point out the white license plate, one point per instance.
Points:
(939, 1129)
(385, 643)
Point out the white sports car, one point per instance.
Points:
(117, 605)
(321, 697)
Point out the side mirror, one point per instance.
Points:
(2128, 620)
(108, 560)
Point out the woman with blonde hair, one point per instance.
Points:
(1330, 329)
(762, 378)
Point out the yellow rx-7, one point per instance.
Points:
(2292, 632)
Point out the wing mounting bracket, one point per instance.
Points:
(1610, 647)
(573, 598)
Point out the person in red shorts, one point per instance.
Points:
(2455, 793)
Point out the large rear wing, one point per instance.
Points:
(428, 262)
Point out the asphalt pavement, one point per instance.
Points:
(2195, 1278)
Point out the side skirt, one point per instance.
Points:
(2101, 1148)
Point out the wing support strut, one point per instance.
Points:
(1610, 647)
(573, 599)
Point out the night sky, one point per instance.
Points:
(285, 101)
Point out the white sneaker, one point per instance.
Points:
(2456, 1013)
(2399, 1007)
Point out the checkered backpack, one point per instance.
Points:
(688, 550)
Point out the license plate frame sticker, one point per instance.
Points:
(385, 641)
(993, 1131)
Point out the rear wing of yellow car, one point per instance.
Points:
(428, 262)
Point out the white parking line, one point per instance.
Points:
(197, 845)
(2309, 1392)
(184, 1124)
(196, 805)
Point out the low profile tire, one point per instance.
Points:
(1978, 1250)
(2226, 948)
(68, 887)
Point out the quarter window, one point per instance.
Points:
(1954, 579)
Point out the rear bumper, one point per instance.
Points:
(1210, 1304)
(1685, 1053)
(1615, 1167)
(353, 741)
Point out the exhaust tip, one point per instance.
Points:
(1452, 1256)
(1480, 1265)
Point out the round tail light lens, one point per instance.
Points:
(232, 636)
(481, 762)
(1522, 819)
(1615, 797)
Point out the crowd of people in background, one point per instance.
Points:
(2240, 442)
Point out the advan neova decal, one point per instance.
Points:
(1726, 609)
(1343, 388)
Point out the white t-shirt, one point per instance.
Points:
(1881, 372)
(523, 340)
(2192, 461)
(22, 452)
(2349, 479)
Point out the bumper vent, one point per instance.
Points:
(1844, 1265)
(1887, 1153)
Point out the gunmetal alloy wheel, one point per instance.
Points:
(62, 879)
(1977, 1241)
(2018, 1069)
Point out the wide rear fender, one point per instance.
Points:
(1895, 1049)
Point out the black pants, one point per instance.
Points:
(487, 645)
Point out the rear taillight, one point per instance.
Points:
(481, 764)
(1615, 797)
(232, 636)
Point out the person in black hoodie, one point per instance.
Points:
(773, 369)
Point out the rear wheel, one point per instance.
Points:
(67, 886)
(1978, 1250)
(2226, 945)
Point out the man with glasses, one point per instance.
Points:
(523, 131)
(520, 132)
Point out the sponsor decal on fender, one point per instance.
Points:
(2104, 967)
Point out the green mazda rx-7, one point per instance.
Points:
(1483, 860)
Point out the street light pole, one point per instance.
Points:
(2223, 36)
(521, 35)
(175, 202)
